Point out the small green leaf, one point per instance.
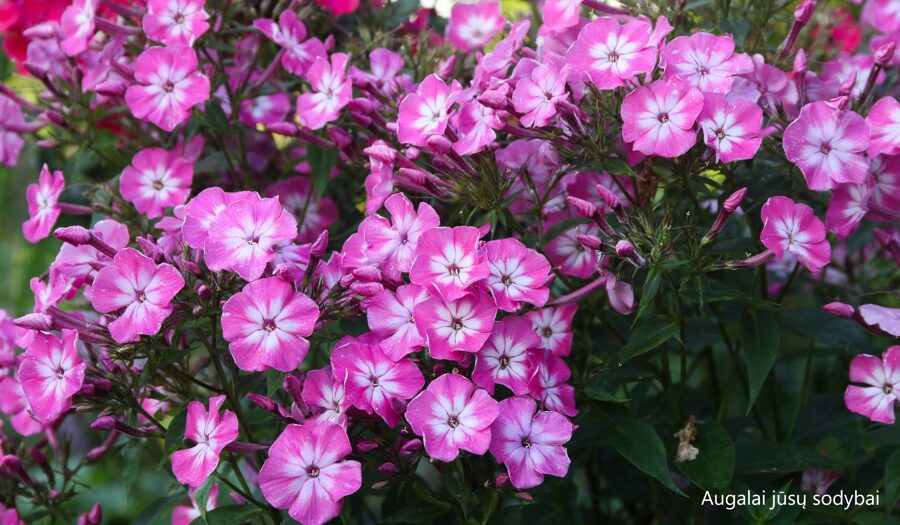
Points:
(321, 161)
(230, 515)
(598, 390)
(648, 293)
(274, 380)
(649, 334)
(760, 336)
(714, 465)
(156, 510)
(618, 167)
(175, 431)
(637, 442)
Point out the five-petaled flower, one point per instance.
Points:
(211, 432)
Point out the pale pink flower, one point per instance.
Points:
(535, 159)
(156, 179)
(881, 377)
(705, 60)
(242, 237)
(732, 128)
(265, 109)
(883, 15)
(537, 95)
(51, 372)
(10, 141)
(331, 91)
(140, 289)
(211, 433)
(612, 54)
(186, 514)
(390, 317)
(290, 34)
(790, 227)
(76, 26)
(452, 415)
(659, 119)
(517, 274)
(372, 381)
(325, 396)
(548, 384)
(472, 26)
(14, 403)
(884, 122)
(43, 205)
(267, 324)
(393, 244)
(77, 263)
(167, 86)
(202, 210)
(476, 127)
(504, 358)
(888, 319)
(426, 112)
(175, 22)
(306, 472)
(530, 442)
(559, 15)
(454, 326)
(828, 145)
(447, 261)
(554, 327)
(848, 206)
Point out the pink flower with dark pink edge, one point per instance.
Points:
(175, 22)
(393, 243)
(705, 60)
(548, 384)
(390, 317)
(331, 91)
(265, 109)
(139, 290)
(426, 112)
(455, 326)
(848, 206)
(290, 34)
(884, 122)
(452, 415)
(372, 381)
(472, 26)
(167, 86)
(51, 372)
(77, 263)
(790, 227)
(611, 53)
(155, 180)
(572, 258)
(530, 442)
(517, 274)
(559, 15)
(325, 395)
(11, 142)
(536, 96)
(14, 403)
(828, 145)
(186, 514)
(306, 472)
(211, 433)
(881, 377)
(888, 319)
(554, 326)
(266, 325)
(504, 358)
(732, 128)
(43, 205)
(659, 119)
(202, 210)
(299, 197)
(447, 260)
(76, 27)
(242, 237)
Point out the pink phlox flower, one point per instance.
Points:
(732, 128)
(50, 373)
(76, 27)
(44, 55)
(447, 260)
(504, 358)
(394, 243)
(458, 326)
(325, 395)
(884, 122)
(265, 109)
(548, 384)
(43, 204)
(836, 72)
(331, 91)
(517, 274)
(881, 377)
(559, 15)
(532, 159)
(554, 326)
(885, 197)
(175, 22)
(155, 180)
(705, 60)
(659, 119)
(315, 214)
(390, 317)
(10, 141)
(536, 97)
(888, 319)
(186, 514)
(78, 263)
(775, 87)
(848, 206)
(385, 70)
(100, 72)
(476, 125)
(817, 480)
(50, 294)
(790, 227)
(496, 63)
(211, 432)
(472, 26)
(583, 184)
(619, 293)
(426, 112)
(568, 254)
(14, 403)
(612, 54)
(883, 15)
(290, 34)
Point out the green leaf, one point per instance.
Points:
(154, 512)
(714, 465)
(648, 293)
(598, 390)
(563, 226)
(274, 380)
(320, 163)
(760, 336)
(637, 442)
(892, 481)
(175, 431)
(648, 335)
(230, 515)
(215, 118)
(417, 512)
(618, 167)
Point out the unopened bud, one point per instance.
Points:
(496, 99)
(364, 445)
(847, 87)
(388, 469)
(439, 144)
(262, 402)
(104, 423)
(293, 385)
(733, 202)
(282, 128)
(366, 289)
(840, 309)
(382, 152)
(150, 249)
(360, 105)
(74, 235)
(803, 13)
(319, 246)
(524, 496)
(39, 322)
(840, 102)
(885, 53)
(445, 68)
(502, 479)
(800, 65)
(204, 292)
(589, 241)
(37, 457)
(582, 207)
(41, 31)
(340, 137)
(329, 43)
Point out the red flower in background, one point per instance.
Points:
(18, 15)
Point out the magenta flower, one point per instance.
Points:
(847, 207)
(306, 475)
(881, 375)
(454, 326)
(887, 319)
(426, 112)
(559, 15)
(186, 514)
(476, 127)
(393, 243)
(504, 358)
(265, 109)
(50, 374)
(325, 396)
(43, 205)
(659, 119)
(298, 196)
(331, 91)
(472, 26)
(884, 122)
(612, 54)
(452, 415)
(76, 27)
(554, 327)
(211, 433)
(390, 317)
(447, 260)
(731, 127)
(14, 403)
(141, 289)
(267, 323)
(548, 384)
(530, 442)
(10, 141)
(242, 236)
(175, 22)
(517, 274)
(708, 62)
(572, 258)
(168, 86)
(790, 227)
(155, 180)
(372, 381)
(77, 263)
(202, 210)
(290, 34)
(537, 95)
(827, 144)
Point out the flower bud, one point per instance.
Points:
(150, 249)
(803, 13)
(283, 128)
(840, 309)
(104, 423)
(885, 53)
(368, 274)
(388, 469)
(293, 385)
(41, 31)
(501, 479)
(382, 152)
(96, 514)
(74, 235)
(204, 292)
(496, 99)
(37, 457)
(445, 68)
(329, 43)
(340, 137)
(411, 448)
(39, 322)
(364, 445)
(360, 105)
(847, 87)
(439, 144)
(524, 496)
(415, 176)
(589, 241)
(582, 207)
(733, 202)
(318, 248)
(625, 249)
(366, 289)
(262, 402)
(840, 102)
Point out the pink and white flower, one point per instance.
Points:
(537, 95)
(611, 53)
(505, 357)
(267, 324)
(76, 27)
(790, 227)
(186, 514)
(426, 112)
(393, 244)
(167, 86)
(77, 263)
(884, 123)
(848, 206)
(554, 326)
(14, 403)
(298, 196)
(881, 377)
(306, 472)
(326, 396)
(43, 205)
(155, 180)
(732, 128)
(572, 258)
(140, 290)
(454, 326)
(659, 119)
(331, 91)
(390, 317)
(548, 384)
(175, 22)
(447, 261)
(472, 26)
(705, 60)
(211, 433)
(530, 442)
(202, 210)
(559, 15)
(265, 109)
(476, 127)
(51, 372)
(887, 319)
(290, 34)
(517, 274)
(452, 415)
(11, 141)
